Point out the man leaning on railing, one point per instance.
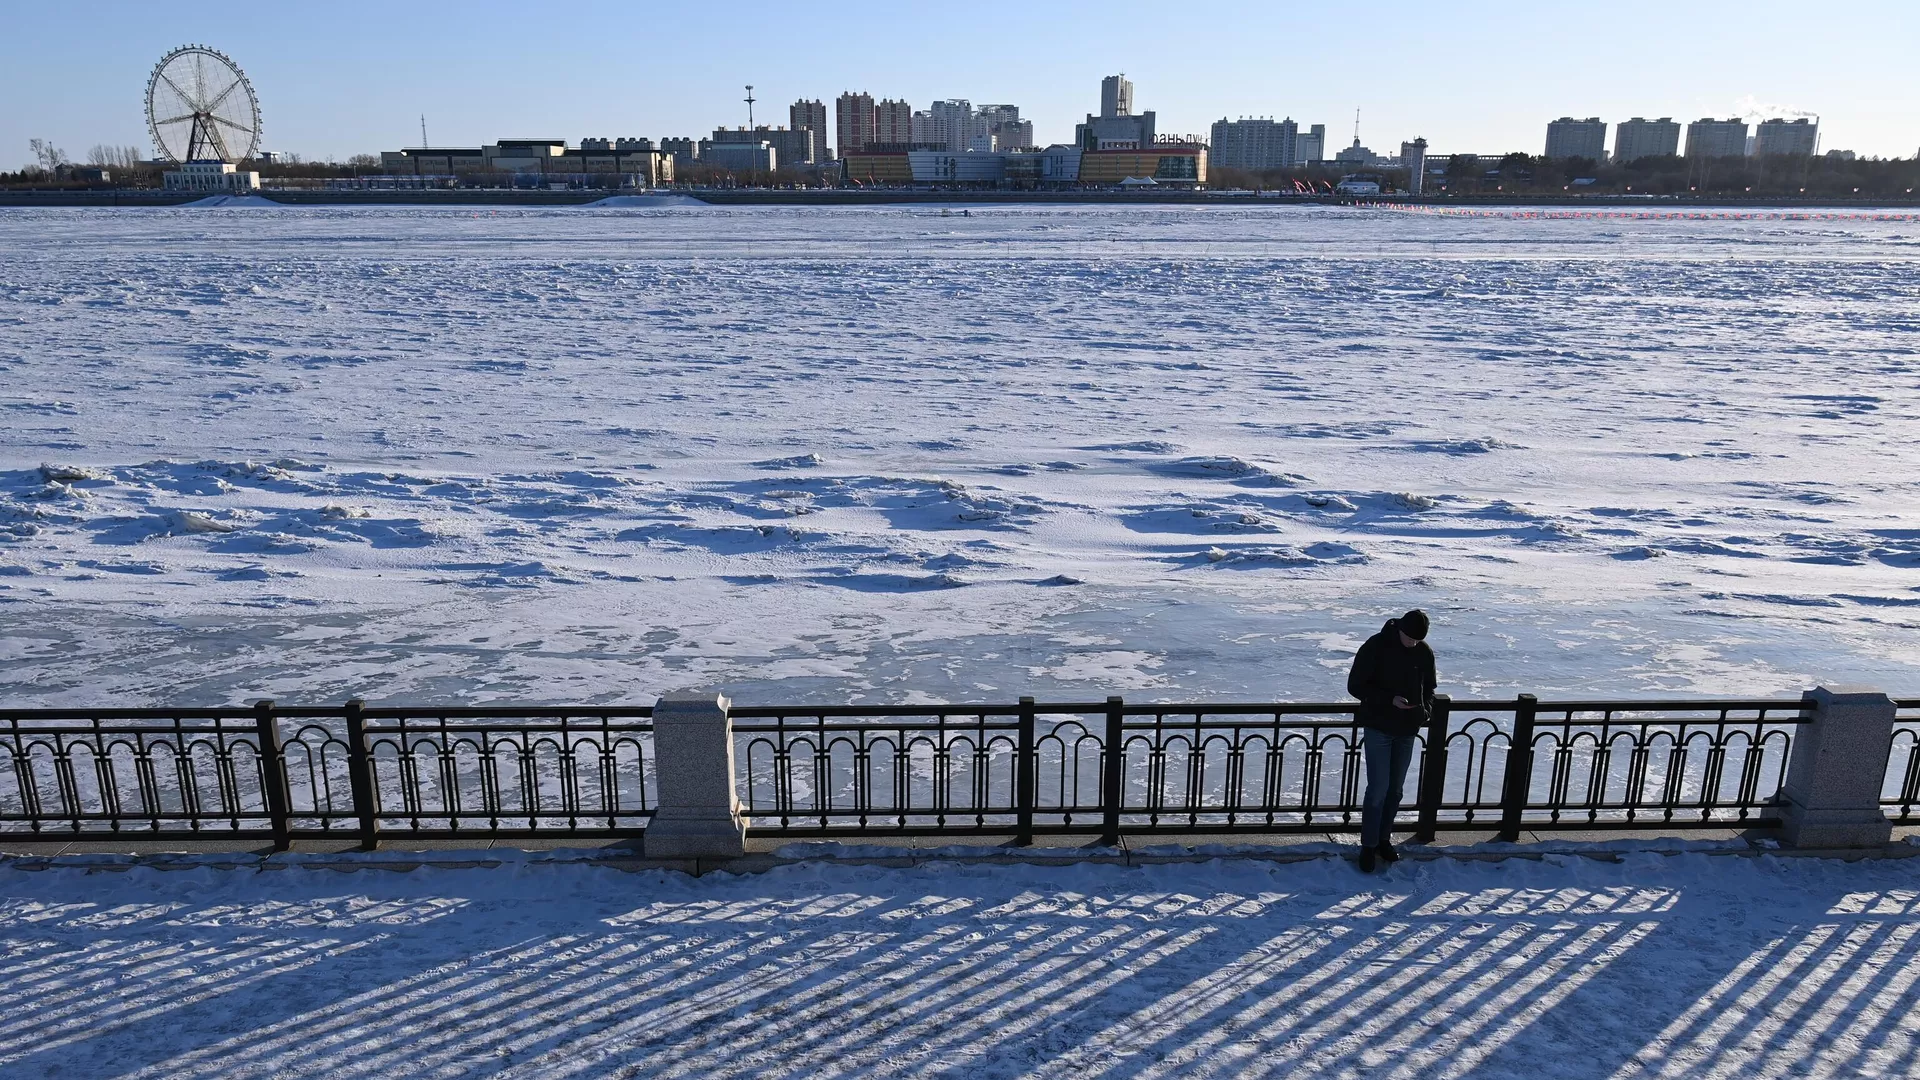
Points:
(1393, 676)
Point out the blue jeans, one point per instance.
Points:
(1387, 759)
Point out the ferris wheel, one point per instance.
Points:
(200, 107)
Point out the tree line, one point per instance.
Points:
(129, 166)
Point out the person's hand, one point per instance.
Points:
(1401, 703)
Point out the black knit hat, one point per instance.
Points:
(1414, 624)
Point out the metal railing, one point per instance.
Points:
(1097, 768)
(350, 772)
(1900, 790)
(1111, 768)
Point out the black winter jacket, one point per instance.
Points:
(1384, 669)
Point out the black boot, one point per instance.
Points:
(1387, 852)
(1366, 860)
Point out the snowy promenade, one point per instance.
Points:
(1657, 965)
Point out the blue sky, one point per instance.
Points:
(351, 76)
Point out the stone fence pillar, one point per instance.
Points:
(698, 816)
(1834, 775)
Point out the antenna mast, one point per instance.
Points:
(1356, 126)
(749, 106)
(423, 132)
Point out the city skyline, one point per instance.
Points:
(328, 92)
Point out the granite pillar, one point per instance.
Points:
(698, 815)
(1832, 790)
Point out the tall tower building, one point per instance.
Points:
(1116, 128)
(1254, 145)
(1311, 146)
(893, 122)
(1641, 138)
(1707, 137)
(1570, 138)
(953, 124)
(855, 120)
(811, 115)
(1008, 130)
(1795, 137)
(924, 132)
(1414, 156)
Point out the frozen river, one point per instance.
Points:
(891, 455)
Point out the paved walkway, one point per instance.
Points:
(1641, 964)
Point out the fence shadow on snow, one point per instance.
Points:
(1064, 984)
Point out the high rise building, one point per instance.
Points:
(1313, 145)
(954, 120)
(1255, 145)
(686, 152)
(854, 122)
(893, 122)
(997, 114)
(1414, 156)
(951, 125)
(1008, 130)
(956, 127)
(1707, 137)
(1775, 137)
(1640, 138)
(861, 121)
(1116, 128)
(811, 116)
(1570, 138)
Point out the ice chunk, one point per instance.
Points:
(1327, 501)
(68, 474)
(798, 461)
(1285, 556)
(1139, 446)
(187, 521)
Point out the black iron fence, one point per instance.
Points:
(1111, 768)
(1900, 792)
(351, 771)
(1097, 768)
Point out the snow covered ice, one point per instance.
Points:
(1656, 966)
(885, 455)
